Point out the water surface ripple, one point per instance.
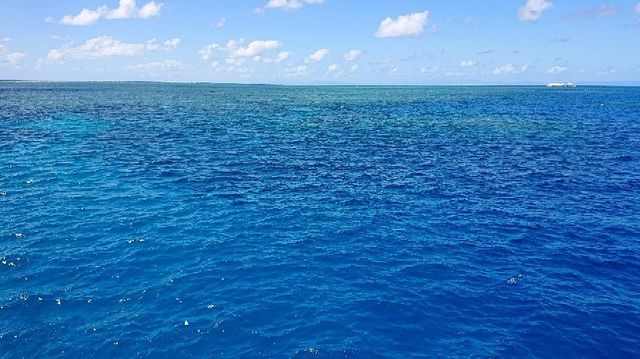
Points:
(163, 220)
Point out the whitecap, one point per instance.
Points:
(514, 280)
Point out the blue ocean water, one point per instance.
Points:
(198, 220)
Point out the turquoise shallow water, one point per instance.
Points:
(333, 222)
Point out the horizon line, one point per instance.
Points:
(521, 84)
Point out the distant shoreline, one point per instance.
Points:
(579, 85)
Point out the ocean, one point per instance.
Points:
(202, 220)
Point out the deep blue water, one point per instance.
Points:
(329, 222)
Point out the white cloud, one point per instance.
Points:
(333, 68)
(287, 4)
(405, 25)
(149, 10)
(296, 71)
(283, 56)
(353, 68)
(533, 9)
(85, 17)
(8, 57)
(172, 44)
(506, 69)
(352, 55)
(468, 63)
(157, 66)
(284, 4)
(234, 48)
(207, 52)
(317, 56)
(255, 48)
(556, 69)
(106, 46)
(453, 73)
(441, 71)
(236, 54)
(127, 9)
(510, 69)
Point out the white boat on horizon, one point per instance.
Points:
(561, 85)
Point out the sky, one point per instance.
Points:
(322, 41)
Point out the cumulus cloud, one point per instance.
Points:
(157, 66)
(333, 68)
(172, 44)
(317, 56)
(235, 48)
(255, 48)
(283, 56)
(8, 57)
(237, 53)
(127, 9)
(509, 69)
(405, 25)
(287, 4)
(85, 17)
(556, 69)
(352, 55)
(208, 51)
(107, 46)
(354, 68)
(284, 4)
(467, 63)
(533, 9)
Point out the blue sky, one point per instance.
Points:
(322, 41)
